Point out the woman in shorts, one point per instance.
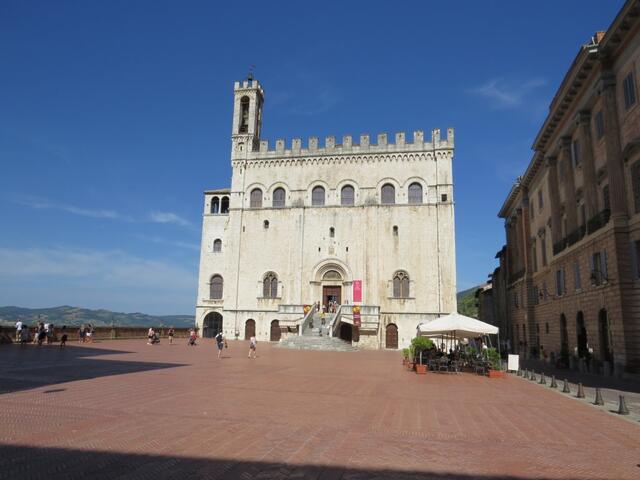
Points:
(252, 347)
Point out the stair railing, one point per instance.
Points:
(307, 318)
(335, 322)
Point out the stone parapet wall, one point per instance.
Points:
(101, 333)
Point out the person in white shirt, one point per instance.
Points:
(18, 329)
(252, 347)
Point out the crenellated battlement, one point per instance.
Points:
(400, 143)
(248, 85)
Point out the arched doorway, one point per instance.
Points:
(275, 331)
(211, 325)
(605, 339)
(346, 331)
(581, 334)
(392, 336)
(249, 329)
(564, 340)
(331, 288)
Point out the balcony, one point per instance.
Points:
(594, 224)
(598, 221)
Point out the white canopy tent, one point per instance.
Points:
(457, 326)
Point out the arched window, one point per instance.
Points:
(224, 208)
(332, 232)
(278, 197)
(401, 285)
(215, 205)
(244, 115)
(217, 245)
(317, 196)
(216, 287)
(256, 198)
(270, 285)
(347, 195)
(415, 193)
(388, 194)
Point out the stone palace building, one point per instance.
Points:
(357, 223)
(568, 284)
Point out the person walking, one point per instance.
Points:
(150, 335)
(252, 347)
(63, 337)
(170, 334)
(18, 330)
(89, 333)
(42, 334)
(192, 338)
(220, 343)
(24, 336)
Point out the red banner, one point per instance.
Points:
(356, 316)
(357, 291)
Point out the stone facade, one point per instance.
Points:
(300, 223)
(570, 267)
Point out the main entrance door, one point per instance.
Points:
(331, 294)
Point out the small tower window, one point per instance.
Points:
(244, 115)
(217, 245)
(224, 208)
(215, 205)
(444, 197)
(395, 230)
(265, 224)
(332, 232)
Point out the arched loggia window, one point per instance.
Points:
(401, 285)
(415, 193)
(216, 287)
(270, 285)
(317, 196)
(388, 194)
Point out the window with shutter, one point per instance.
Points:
(279, 197)
(635, 182)
(388, 194)
(256, 198)
(347, 195)
(575, 154)
(415, 193)
(317, 196)
(604, 272)
(629, 87)
(216, 287)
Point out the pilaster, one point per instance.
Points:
(583, 119)
(554, 198)
(569, 184)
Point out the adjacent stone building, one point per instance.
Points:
(362, 222)
(571, 264)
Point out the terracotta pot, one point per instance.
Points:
(421, 369)
(496, 374)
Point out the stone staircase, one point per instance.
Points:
(312, 340)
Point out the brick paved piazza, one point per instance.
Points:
(124, 409)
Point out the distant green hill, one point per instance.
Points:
(467, 302)
(66, 315)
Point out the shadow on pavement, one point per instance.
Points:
(57, 463)
(23, 368)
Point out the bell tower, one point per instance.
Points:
(248, 98)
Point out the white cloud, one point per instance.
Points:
(168, 217)
(503, 95)
(40, 204)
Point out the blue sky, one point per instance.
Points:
(115, 116)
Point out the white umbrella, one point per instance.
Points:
(457, 325)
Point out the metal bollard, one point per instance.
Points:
(598, 400)
(622, 407)
(565, 388)
(553, 382)
(533, 376)
(580, 393)
(543, 380)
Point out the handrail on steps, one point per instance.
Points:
(334, 321)
(305, 321)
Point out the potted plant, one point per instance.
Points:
(421, 345)
(405, 356)
(496, 364)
